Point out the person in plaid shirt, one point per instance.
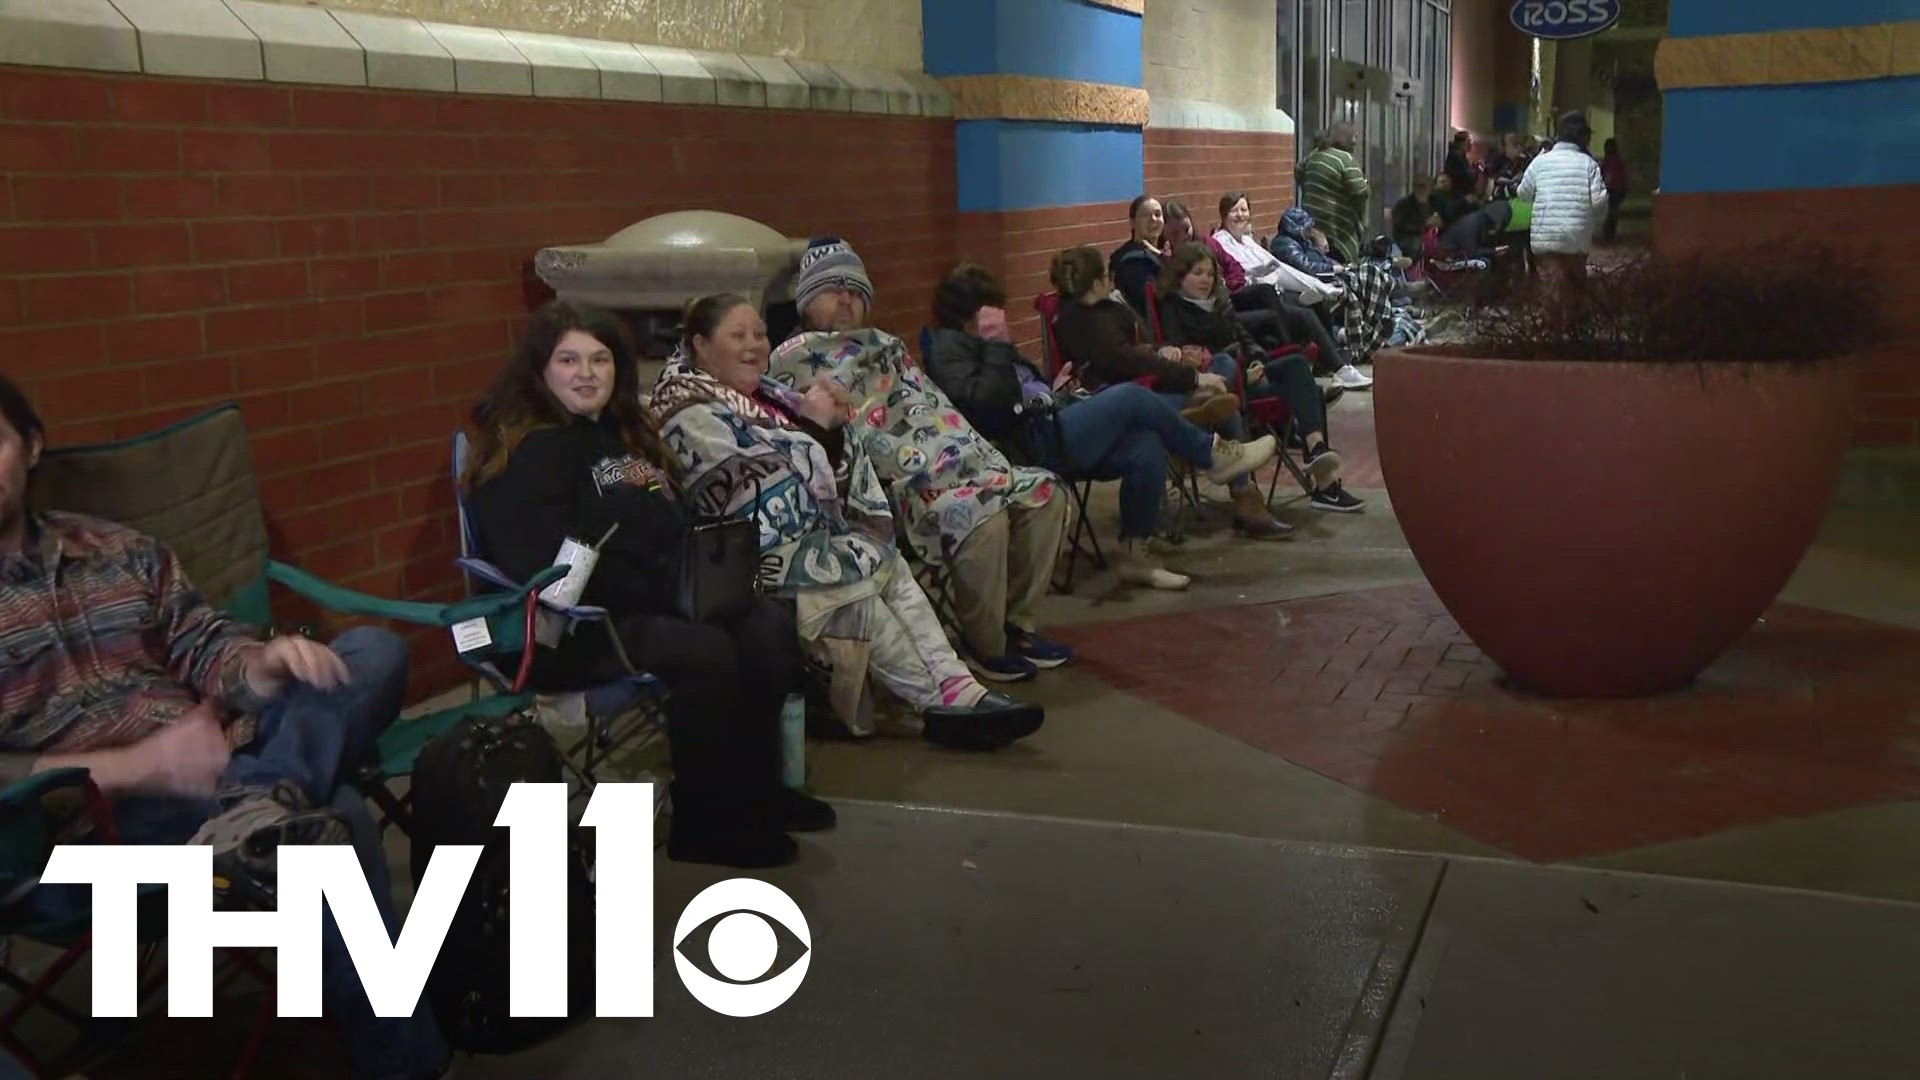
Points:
(195, 729)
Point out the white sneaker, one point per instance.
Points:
(1137, 566)
(1232, 460)
(1352, 378)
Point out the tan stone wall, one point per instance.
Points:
(1220, 51)
(1024, 97)
(865, 33)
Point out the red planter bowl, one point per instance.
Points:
(1607, 529)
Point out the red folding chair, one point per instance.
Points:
(25, 842)
(1269, 413)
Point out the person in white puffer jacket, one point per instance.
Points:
(1569, 198)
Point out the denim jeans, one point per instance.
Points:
(1227, 368)
(315, 739)
(1126, 432)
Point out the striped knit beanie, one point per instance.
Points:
(830, 263)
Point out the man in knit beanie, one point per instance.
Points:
(995, 525)
(831, 289)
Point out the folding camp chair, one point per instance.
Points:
(1268, 413)
(191, 485)
(1181, 475)
(1446, 272)
(1083, 539)
(26, 841)
(621, 713)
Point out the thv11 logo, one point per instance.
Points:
(741, 946)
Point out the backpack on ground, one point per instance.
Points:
(459, 783)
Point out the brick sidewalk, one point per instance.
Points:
(1379, 690)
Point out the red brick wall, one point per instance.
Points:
(1197, 167)
(351, 266)
(1020, 245)
(1859, 220)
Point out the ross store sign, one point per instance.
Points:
(1565, 20)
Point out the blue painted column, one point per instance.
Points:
(1789, 95)
(1796, 121)
(1049, 110)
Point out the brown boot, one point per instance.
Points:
(1211, 412)
(1251, 516)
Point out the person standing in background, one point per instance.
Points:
(1459, 167)
(1568, 195)
(1613, 169)
(1335, 191)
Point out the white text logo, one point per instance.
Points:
(395, 972)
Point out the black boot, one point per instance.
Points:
(715, 830)
(800, 812)
(993, 722)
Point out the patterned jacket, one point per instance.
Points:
(103, 641)
(821, 524)
(943, 478)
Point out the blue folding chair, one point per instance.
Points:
(625, 711)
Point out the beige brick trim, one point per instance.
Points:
(1790, 57)
(1025, 97)
(245, 39)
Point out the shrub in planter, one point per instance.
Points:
(1607, 484)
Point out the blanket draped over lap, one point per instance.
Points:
(944, 479)
(746, 459)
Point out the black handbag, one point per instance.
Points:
(718, 569)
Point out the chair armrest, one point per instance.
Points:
(31, 789)
(486, 572)
(495, 576)
(24, 836)
(348, 602)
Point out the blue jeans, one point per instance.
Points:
(316, 739)
(1227, 368)
(1126, 432)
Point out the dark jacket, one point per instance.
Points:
(578, 479)
(1214, 328)
(1108, 345)
(1477, 231)
(1460, 171)
(981, 376)
(1134, 264)
(1410, 221)
(1291, 246)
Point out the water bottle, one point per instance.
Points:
(579, 559)
(793, 741)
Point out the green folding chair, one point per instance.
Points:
(191, 485)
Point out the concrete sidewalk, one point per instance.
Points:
(953, 944)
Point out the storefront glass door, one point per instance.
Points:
(1381, 65)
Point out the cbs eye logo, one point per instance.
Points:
(742, 921)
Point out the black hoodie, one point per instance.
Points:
(578, 479)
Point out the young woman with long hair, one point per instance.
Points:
(1196, 313)
(562, 448)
